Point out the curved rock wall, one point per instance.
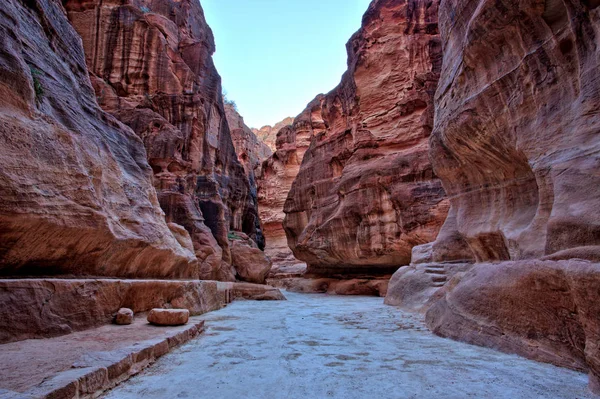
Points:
(76, 193)
(516, 146)
(366, 192)
(516, 129)
(151, 66)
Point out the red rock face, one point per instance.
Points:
(250, 151)
(366, 192)
(276, 175)
(151, 65)
(545, 310)
(76, 193)
(516, 146)
(268, 134)
(516, 133)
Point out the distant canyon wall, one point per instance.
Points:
(268, 134)
(276, 175)
(366, 193)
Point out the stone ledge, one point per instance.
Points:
(94, 371)
(42, 308)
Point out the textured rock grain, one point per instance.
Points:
(516, 146)
(276, 176)
(366, 192)
(151, 66)
(76, 191)
(168, 317)
(516, 130)
(42, 308)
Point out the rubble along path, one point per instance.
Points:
(319, 346)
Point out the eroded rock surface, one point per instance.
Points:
(366, 192)
(276, 176)
(76, 192)
(36, 308)
(516, 146)
(250, 152)
(544, 310)
(151, 66)
(249, 261)
(268, 134)
(516, 129)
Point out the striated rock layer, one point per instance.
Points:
(366, 193)
(268, 134)
(516, 146)
(516, 133)
(76, 193)
(151, 66)
(250, 152)
(276, 176)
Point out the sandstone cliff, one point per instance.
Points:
(277, 173)
(76, 192)
(250, 152)
(366, 192)
(268, 134)
(516, 146)
(151, 66)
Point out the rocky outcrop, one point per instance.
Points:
(249, 261)
(268, 134)
(371, 286)
(545, 310)
(250, 150)
(516, 146)
(249, 291)
(366, 193)
(76, 192)
(276, 175)
(151, 66)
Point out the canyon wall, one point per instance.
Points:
(151, 66)
(251, 151)
(515, 140)
(268, 134)
(516, 146)
(76, 193)
(277, 173)
(366, 193)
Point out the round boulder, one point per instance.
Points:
(168, 317)
(124, 317)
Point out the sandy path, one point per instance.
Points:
(317, 346)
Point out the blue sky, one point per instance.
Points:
(276, 55)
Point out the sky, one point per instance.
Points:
(275, 56)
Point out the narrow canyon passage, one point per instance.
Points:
(318, 346)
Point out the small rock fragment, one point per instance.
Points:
(124, 317)
(168, 317)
